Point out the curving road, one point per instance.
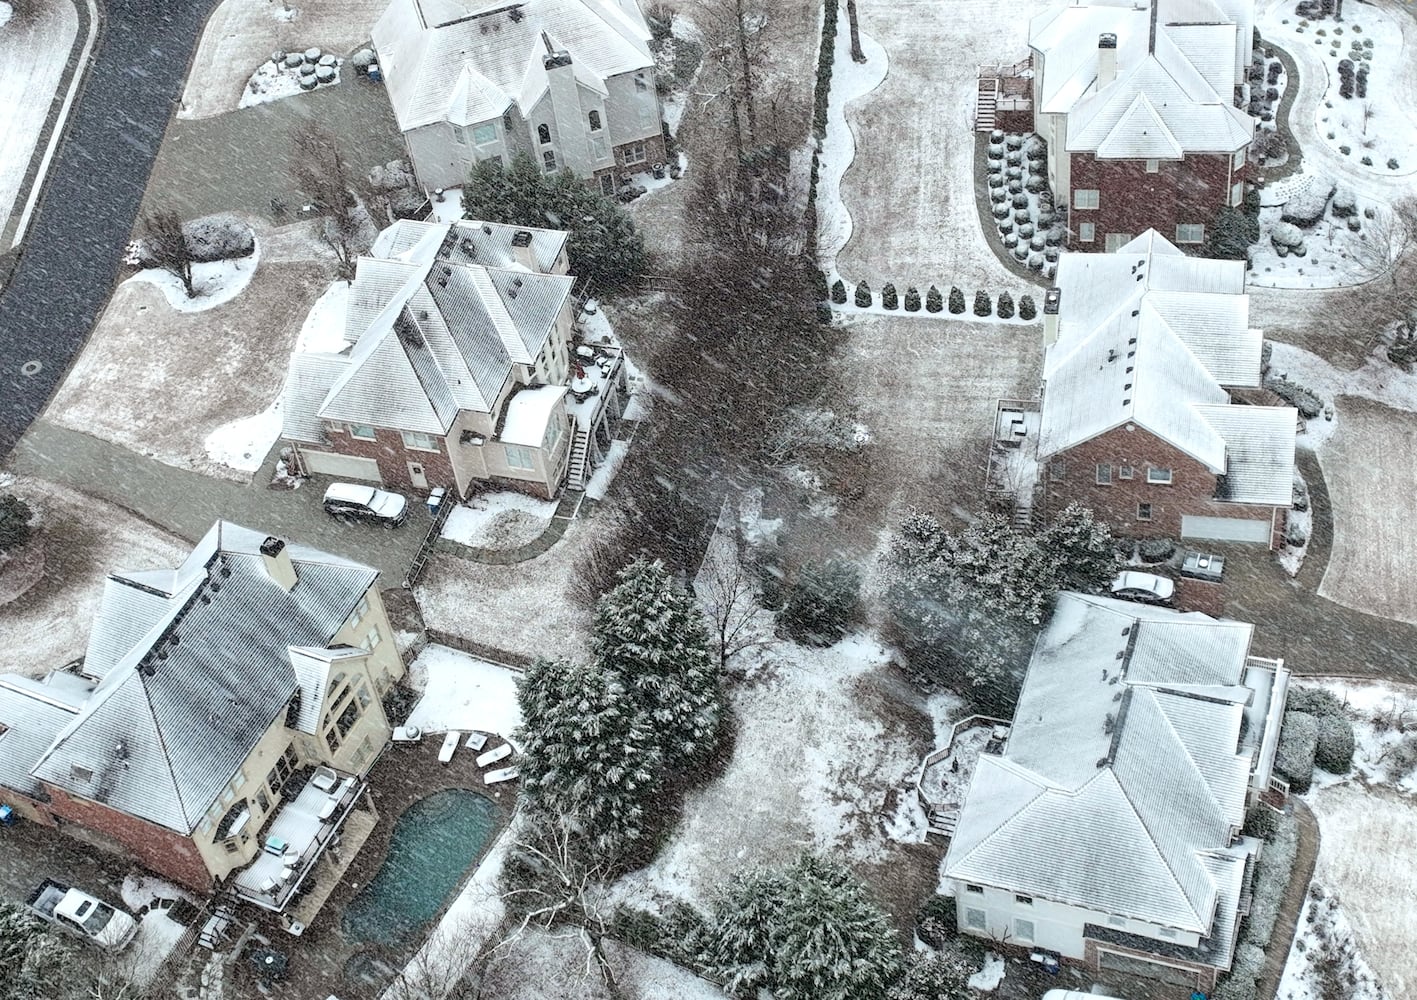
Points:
(94, 187)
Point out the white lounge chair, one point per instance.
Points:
(502, 774)
(492, 756)
(450, 743)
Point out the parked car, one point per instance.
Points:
(83, 915)
(364, 503)
(1145, 587)
(1202, 566)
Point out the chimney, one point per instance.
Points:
(1052, 299)
(1106, 59)
(278, 565)
(521, 249)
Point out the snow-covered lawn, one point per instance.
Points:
(501, 520)
(241, 34)
(213, 284)
(157, 935)
(523, 608)
(600, 480)
(461, 692)
(1325, 941)
(1376, 132)
(815, 755)
(551, 965)
(987, 979)
(34, 46)
(910, 188)
(85, 540)
(197, 390)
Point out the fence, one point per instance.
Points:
(502, 657)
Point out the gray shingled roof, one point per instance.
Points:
(1116, 791)
(31, 714)
(168, 726)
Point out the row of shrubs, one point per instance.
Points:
(934, 301)
(826, 56)
(1316, 733)
(1272, 873)
(1304, 400)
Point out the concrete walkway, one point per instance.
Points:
(1306, 855)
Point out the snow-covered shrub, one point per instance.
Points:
(1002, 210)
(1014, 158)
(821, 603)
(1345, 202)
(982, 305)
(1025, 231)
(912, 299)
(1026, 308)
(1271, 879)
(1295, 535)
(1035, 183)
(1021, 215)
(1006, 306)
(934, 302)
(889, 299)
(863, 295)
(997, 135)
(1307, 206)
(1334, 753)
(1035, 260)
(1037, 241)
(1020, 201)
(956, 300)
(1020, 252)
(210, 238)
(1401, 760)
(1155, 550)
(1367, 161)
(1392, 164)
(1286, 234)
(1006, 225)
(996, 150)
(16, 522)
(1014, 174)
(1298, 742)
(839, 292)
(1015, 186)
(1307, 403)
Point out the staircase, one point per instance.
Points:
(223, 907)
(987, 104)
(943, 823)
(580, 450)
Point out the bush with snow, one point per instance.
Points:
(982, 305)
(1334, 752)
(821, 603)
(839, 292)
(1307, 205)
(863, 295)
(934, 302)
(1026, 308)
(208, 239)
(1298, 744)
(889, 298)
(912, 299)
(956, 300)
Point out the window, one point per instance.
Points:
(1237, 193)
(231, 846)
(1104, 475)
(640, 83)
(1087, 232)
(598, 147)
(974, 918)
(263, 801)
(364, 699)
(594, 120)
(361, 431)
(553, 434)
(1124, 472)
(361, 609)
(1143, 512)
(460, 135)
(419, 442)
(548, 161)
(635, 153)
(1023, 930)
(239, 780)
(483, 134)
(372, 640)
(518, 458)
(227, 795)
(1024, 900)
(1166, 932)
(1152, 166)
(607, 185)
(1155, 475)
(1086, 198)
(1117, 921)
(206, 826)
(1239, 160)
(1057, 470)
(976, 889)
(1190, 232)
(543, 134)
(1115, 241)
(347, 718)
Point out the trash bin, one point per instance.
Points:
(375, 74)
(7, 816)
(435, 499)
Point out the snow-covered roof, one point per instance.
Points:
(446, 60)
(1173, 84)
(529, 412)
(1119, 783)
(437, 332)
(31, 714)
(486, 243)
(181, 708)
(1148, 336)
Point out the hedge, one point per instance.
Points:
(1334, 752)
(982, 305)
(1298, 742)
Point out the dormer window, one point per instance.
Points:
(543, 134)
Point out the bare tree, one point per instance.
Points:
(325, 177)
(1388, 243)
(727, 590)
(165, 245)
(733, 30)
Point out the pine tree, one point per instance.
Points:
(934, 302)
(942, 975)
(1006, 306)
(889, 299)
(810, 932)
(912, 299)
(1026, 308)
(982, 305)
(650, 633)
(821, 603)
(956, 300)
(839, 292)
(1081, 547)
(863, 295)
(587, 754)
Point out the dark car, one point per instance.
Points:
(352, 502)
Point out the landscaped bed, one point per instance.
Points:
(1022, 203)
(1316, 233)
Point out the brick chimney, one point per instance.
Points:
(521, 249)
(1052, 299)
(1106, 59)
(279, 568)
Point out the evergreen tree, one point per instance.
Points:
(1026, 308)
(821, 603)
(934, 976)
(982, 305)
(588, 755)
(1233, 233)
(839, 292)
(889, 299)
(1081, 547)
(956, 301)
(934, 302)
(650, 633)
(819, 279)
(1006, 306)
(912, 299)
(810, 932)
(15, 518)
(863, 295)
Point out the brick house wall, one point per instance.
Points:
(393, 457)
(1191, 490)
(1132, 200)
(157, 848)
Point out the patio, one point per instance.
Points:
(1013, 451)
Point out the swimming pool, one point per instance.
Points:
(434, 843)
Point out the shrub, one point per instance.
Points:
(889, 299)
(15, 522)
(1345, 150)
(1295, 536)
(1233, 233)
(998, 195)
(1035, 183)
(1006, 306)
(1307, 403)
(1334, 752)
(996, 182)
(1020, 200)
(1006, 226)
(912, 299)
(1344, 203)
(821, 603)
(1036, 261)
(956, 300)
(1400, 761)
(1025, 231)
(1316, 701)
(1021, 215)
(1275, 68)
(1014, 141)
(982, 305)
(997, 135)
(1014, 158)
(1015, 174)
(1367, 161)
(1154, 550)
(1002, 210)
(934, 302)
(1392, 164)
(996, 150)
(1037, 242)
(219, 237)
(839, 292)
(863, 295)
(1298, 742)
(1026, 308)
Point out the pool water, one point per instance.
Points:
(434, 843)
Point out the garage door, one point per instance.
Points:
(1135, 966)
(326, 463)
(1226, 529)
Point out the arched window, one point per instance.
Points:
(543, 134)
(594, 117)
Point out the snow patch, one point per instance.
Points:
(141, 891)
(272, 82)
(215, 283)
(499, 520)
(988, 978)
(450, 208)
(1379, 380)
(601, 479)
(1325, 938)
(6, 12)
(461, 692)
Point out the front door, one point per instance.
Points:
(416, 476)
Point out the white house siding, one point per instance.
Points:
(633, 114)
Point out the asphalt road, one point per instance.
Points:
(75, 245)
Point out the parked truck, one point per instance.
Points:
(83, 915)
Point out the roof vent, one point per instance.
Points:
(1131, 340)
(1140, 276)
(1111, 356)
(423, 314)
(447, 271)
(486, 229)
(517, 282)
(511, 293)
(1136, 312)
(1127, 630)
(1127, 402)
(1127, 386)
(1052, 299)
(442, 282)
(225, 570)
(516, 15)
